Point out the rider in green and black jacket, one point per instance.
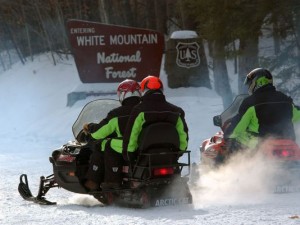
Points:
(265, 113)
(153, 108)
(106, 159)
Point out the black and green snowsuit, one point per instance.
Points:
(265, 113)
(110, 132)
(153, 108)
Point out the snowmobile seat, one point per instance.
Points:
(158, 147)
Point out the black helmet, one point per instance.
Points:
(258, 78)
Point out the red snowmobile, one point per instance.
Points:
(286, 153)
(213, 151)
(155, 179)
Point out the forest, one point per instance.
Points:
(229, 29)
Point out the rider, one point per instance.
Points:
(153, 108)
(265, 113)
(110, 132)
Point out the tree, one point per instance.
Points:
(211, 23)
(231, 28)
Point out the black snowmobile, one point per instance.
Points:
(154, 179)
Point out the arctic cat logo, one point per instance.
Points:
(287, 188)
(171, 201)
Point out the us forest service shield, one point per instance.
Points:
(187, 54)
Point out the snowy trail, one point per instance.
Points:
(35, 120)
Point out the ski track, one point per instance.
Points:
(274, 209)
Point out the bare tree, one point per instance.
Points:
(27, 33)
(47, 38)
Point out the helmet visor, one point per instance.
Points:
(249, 78)
(247, 81)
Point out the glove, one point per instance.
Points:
(86, 128)
(233, 145)
(129, 156)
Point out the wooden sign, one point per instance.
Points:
(109, 53)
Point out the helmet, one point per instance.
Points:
(128, 88)
(258, 78)
(151, 83)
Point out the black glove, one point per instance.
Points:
(86, 128)
(83, 137)
(232, 145)
(129, 156)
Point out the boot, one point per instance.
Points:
(91, 185)
(110, 185)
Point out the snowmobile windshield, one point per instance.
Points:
(94, 112)
(233, 109)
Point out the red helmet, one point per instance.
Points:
(151, 83)
(128, 88)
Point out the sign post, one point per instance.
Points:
(185, 61)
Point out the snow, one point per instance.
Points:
(35, 120)
(184, 34)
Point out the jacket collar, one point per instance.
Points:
(134, 100)
(154, 96)
(266, 88)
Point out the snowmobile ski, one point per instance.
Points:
(45, 185)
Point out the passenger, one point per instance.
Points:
(153, 108)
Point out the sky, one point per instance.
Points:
(35, 120)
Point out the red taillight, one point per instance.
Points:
(163, 171)
(284, 152)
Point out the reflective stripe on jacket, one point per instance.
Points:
(113, 126)
(266, 113)
(153, 108)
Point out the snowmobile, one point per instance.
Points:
(285, 153)
(156, 178)
(214, 151)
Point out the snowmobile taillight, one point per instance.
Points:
(284, 153)
(163, 171)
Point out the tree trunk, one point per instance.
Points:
(205, 81)
(48, 41)
(248, 61)
(161, 18)
(150, 18)
(61, 28)
(102, 12)
(27, 33)
(1, 59)
(127, 13)
(297, 33)
(276, 37)
(15, 44)
(221, 79)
